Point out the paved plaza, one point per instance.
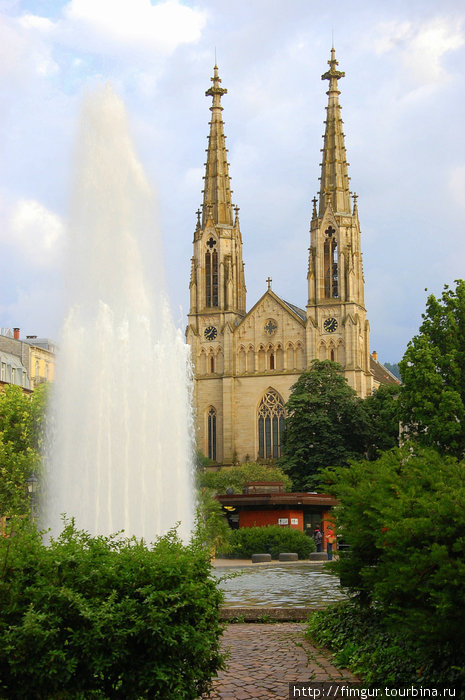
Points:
(264, 658)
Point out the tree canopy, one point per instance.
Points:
(326, 424)
(432, 405)
(22, 421)
(382, 409)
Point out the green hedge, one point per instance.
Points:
(385, 657)
(272, 539)
(404, 518)
(106, 617)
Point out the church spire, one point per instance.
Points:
(334, 185)
(217, 192)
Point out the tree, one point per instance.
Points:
(22, 426)
(432, 400)
(382, 409)
(326, 424)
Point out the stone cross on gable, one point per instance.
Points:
(269, 280)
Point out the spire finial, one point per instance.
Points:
(216, 91)
(333, 74)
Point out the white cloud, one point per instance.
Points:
(136, 24)
(36, 232)
(42, 24)
(422, 46)
(12, 46)
(22, 49)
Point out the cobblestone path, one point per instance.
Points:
(265, 658)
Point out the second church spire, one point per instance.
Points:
(334, 185)
(217, 203)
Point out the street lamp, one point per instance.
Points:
(32, 488)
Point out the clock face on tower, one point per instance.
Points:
(330, 325)
(210, 332)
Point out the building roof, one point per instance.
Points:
(277, 499)
(381, 375)
(296, 309)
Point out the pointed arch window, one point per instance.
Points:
(331, 264)
(211, 433)
(270, 425)
(211, 273)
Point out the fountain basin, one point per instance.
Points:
(278, 585)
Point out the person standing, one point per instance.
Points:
(318, 539)
(330, 540)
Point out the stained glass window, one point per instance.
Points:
(270, 425)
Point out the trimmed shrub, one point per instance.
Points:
(271, 539)
(106, 617)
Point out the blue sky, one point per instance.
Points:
(403, 110)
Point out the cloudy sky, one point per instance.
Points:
(403, 110)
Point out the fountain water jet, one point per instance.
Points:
(121, 450)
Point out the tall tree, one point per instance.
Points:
(22, 421)
(432, 400)
(326, 424)
(382, 409)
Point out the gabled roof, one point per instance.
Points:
(299, 314)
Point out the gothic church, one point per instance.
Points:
(245, 363)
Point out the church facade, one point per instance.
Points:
(245, 362)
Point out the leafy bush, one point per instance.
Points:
(237, 477)
(214, 530)
(361, 641)
(106, 617)
(404, 518)
(271, 539)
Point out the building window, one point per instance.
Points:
(211, 276)
(330, 265)
(212, 365)
(270, 425)
(37, 372)
(3, 374)
(211, 429)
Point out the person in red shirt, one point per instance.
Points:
(330, 540)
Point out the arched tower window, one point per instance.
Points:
(331, 265)
(211, 273)
(270, 425)
(211, 433)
